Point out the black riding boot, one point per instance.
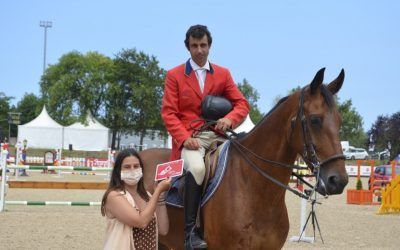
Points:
(191, 202)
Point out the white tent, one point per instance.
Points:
(245, 126)
(90, 137)
(41, 132)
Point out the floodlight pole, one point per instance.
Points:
(45, 25)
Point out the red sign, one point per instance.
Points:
(97, 162)
(169, 169)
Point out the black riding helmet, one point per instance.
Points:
(215, 107)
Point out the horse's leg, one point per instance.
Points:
(175, 237)
(162, 247)
(222, 223)
(234, 220)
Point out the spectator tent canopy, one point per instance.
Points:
(91, 136)
(41, 132)
(44, 132)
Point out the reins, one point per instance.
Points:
(242, 150)
(236, 144)
(309, 154)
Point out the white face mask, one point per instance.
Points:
(131, 177)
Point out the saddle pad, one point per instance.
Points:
(174, 198)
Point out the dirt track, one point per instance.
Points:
(57, 227)
(346, 226)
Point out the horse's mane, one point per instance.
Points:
(282, 100)
(326, 94)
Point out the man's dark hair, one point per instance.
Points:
(198, 31)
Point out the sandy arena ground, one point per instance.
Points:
(61, 227)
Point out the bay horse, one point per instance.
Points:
(247, 210)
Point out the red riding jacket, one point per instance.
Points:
(182, 101)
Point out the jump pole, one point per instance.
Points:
(110, 164)
(58, 152)
(17, 160)
(58, 185)
(54, 203)
(303, 211)
(29, 167)
(3, 162)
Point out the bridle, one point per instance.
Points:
(309, 154)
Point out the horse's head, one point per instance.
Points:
(315, 133)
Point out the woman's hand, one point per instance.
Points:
(164, 185)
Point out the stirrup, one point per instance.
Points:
(199, 245)
(195, 242)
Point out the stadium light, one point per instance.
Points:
(45, 25)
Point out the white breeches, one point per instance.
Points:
(194, 159)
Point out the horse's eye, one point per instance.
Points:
(316, 121)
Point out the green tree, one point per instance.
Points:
(5, 107)
(252, 97)
(30, 107)
(124, 93)
(294, 90)
(141, 79)
(118, 105)
(386, 130)
(352, 123)
(394, 135)
(76, 84)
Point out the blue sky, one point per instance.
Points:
(275, 45)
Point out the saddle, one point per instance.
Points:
(211, 163)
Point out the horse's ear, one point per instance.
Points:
(317, 81)
(336, 84)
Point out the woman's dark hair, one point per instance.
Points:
(198, 31)
(116, 184)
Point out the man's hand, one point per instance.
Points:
(223, 124)
(191, 143)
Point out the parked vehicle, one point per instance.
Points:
(352, 153)
(384, 155)
(383, 175)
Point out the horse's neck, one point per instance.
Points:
(269, 138)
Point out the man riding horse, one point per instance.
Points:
(186, 86)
